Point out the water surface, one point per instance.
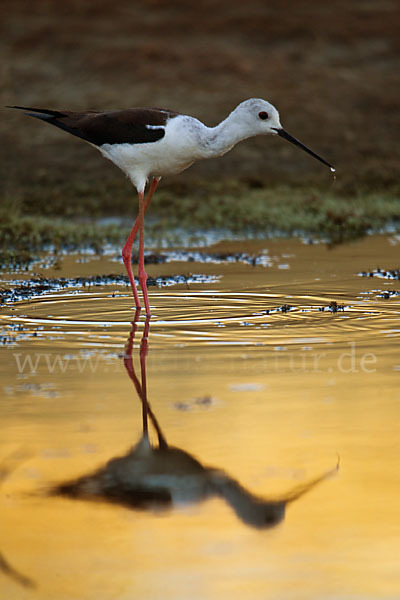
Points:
(269, 395)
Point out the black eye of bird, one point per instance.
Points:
(263, 115)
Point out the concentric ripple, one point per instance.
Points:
(211, 316)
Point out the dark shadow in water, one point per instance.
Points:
(6, 468)
(164, 476)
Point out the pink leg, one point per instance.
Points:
(141, 271)
(127, 249)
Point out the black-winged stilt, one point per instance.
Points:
(152, 143)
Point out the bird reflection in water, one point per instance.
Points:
(163, 476)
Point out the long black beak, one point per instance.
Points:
(284, 134)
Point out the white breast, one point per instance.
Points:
(176, 151)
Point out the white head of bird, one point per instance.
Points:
(255, 117)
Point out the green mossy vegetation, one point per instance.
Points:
(42, 221)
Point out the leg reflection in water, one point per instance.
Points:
(164, 476)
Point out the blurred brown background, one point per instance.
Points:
(331, 68)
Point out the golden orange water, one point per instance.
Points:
(270, 397)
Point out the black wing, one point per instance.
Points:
(133, 126)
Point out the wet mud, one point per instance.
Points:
(38, 286)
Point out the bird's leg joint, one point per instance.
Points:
(142, 277)
(127, 254)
